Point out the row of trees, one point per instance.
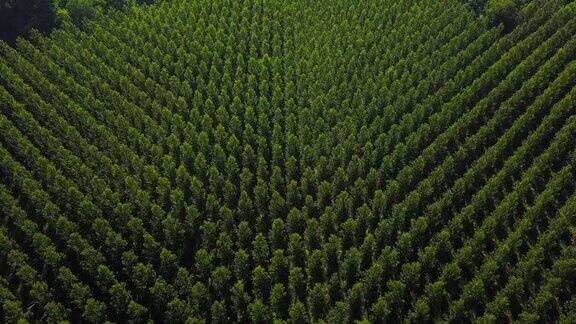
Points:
(233, 176)
(512, 298)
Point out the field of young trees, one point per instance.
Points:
(221, 161)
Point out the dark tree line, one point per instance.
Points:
(499, 11)
(20, 17)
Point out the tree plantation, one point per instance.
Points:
(258, 161)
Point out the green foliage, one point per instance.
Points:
(502, 12)
(223, 161)
(476, 5)
(78, 10)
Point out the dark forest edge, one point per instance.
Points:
(498, 11)
(20, 17)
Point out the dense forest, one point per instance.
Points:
(193, 161)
